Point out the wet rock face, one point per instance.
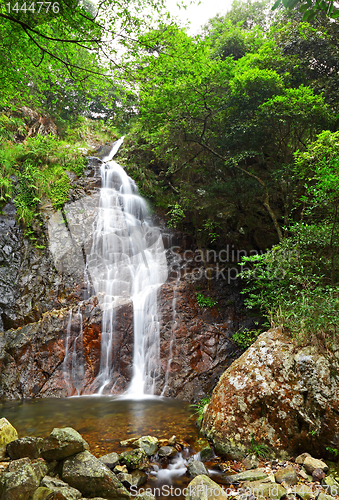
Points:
(278, 394)
(195, 344)
(36, 280)
(32, 358)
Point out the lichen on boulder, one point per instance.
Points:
(278, 395)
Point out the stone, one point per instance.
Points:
(7, 434)
(331, 485)
(310, 464)
(40, 467)
(91, 477)
(323, 496)
(196, 468)
(318, 475)
(303, 491)
(147, 443)
(203, 488)
(110, 460)
(20, 480)
(126, 479)
(287, 475)
(250, 462)
(25, 447)
(56, 485)
(63, 443)
(120, 468)
(248, 475)
(138, 478)
(206, 453)
(301, 458)
(172, 441)
(41, 493)
(167, 451)
(303, 474)
(127, 442)
(135, 459)
(145, 495)
(282, 383)
(263, 489)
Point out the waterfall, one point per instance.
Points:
(127, 262)
(73, 364)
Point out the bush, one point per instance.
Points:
(292, 284)
(205, 301)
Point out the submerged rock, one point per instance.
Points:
(90, 476)
(167, 451)
(273, 393)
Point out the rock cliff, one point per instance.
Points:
(51, 320)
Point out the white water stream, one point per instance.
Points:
(126, 262)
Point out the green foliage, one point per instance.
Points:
(310, 9)
(245, 338)
(199, 408)
(333, 451)
(290, 283)
(11, 127)
(210, 228)
(260, 450)
(205, 301)
(177, 215)
(35, 170)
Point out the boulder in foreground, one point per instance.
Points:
(276, 394)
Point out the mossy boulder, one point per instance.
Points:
(147, 443)
(21, 479)
(63, 489)
(135, 459)
(7, 434)
(203, 488)
(25, 447)
(270, 396)
(63, 443)
(92, 478)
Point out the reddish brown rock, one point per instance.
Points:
(32, 358)
(276, 393)
(195, 344)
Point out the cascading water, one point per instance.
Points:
(126, 262)
(73, 365)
